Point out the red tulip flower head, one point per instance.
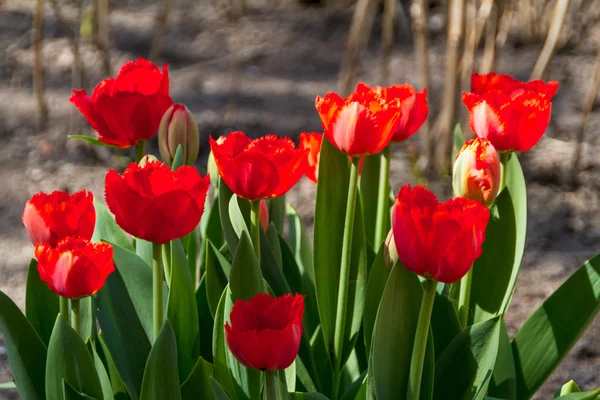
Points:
(76, 267)
(311, 142)
(360, 124)
(476, 173)
(437, 240)
(153, 203)
(414, 108)
(512, 115)
(258, 169)
(128, 108)
(265, 332)
(52, 217)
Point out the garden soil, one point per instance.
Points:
(261, 74)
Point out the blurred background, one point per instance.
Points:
(257, 65)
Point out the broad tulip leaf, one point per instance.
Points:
(220, 350)
(300, 243)
(567, 388)
(277, 212)
(330, 211)
(70, 393)
(8, 386)
(464, 369)
(272, 237)
(210, 224)
(143, 249)
(552, 330)
(502, 249)
(304, 377)
(378, 277)
(197, 385)
(290, 377)
(394, 334)
(353, 389)
(205, 321)
(218, 390)
(118, 388)
(369, 191)
(245, 279)
(444, 323)
(107, 391)
(308, 396)
(271, 270)
(92, 141)
(178, 159)
(123, 333)
(504, 381)
(217, 275)
(41, 304)
(161, 380)
(591, 395)
(107, 229)
(26, 351)
(239, 212)
(224, 197)
(323, 363)
(182, 312)
(69, 360)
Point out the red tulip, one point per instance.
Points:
(360, 124)
(265, 332)
(476, 173)
(153, 203)
(128, 108)
(311, 142)
(512, 115)
(52, 217)
(76, 267)
(437, 240)
(258, 169)
(413, 105)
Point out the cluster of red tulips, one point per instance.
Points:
(158, 202)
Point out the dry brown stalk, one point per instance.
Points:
(526, 11)
(387, 38)
(504, 21)
(162, 20)
(488, 59)
(455, 24)
(468, 58)
(78, 80)
(556, 24)
(38, 65)
(102, 23)
(588, 104)
(418, 12)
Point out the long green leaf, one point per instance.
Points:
(224, 197)
(161, 380)
(369, 191)
(552, 330)
(277, 212)
(107, 229)
(378, 277)
(591, 395)
(567, 388)
(197, 385)
(205, 321)
(464, 369)
(504, 381)
(502, 249)
(69, 360)
(118, 388)
(70, 393)
(300, 243)
(41, 304)
(444, 323)
(26, 351)
(217, 275)
(220, 350)
(107, 391)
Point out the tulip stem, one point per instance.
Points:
(255, 222)
(76, 317)
(340, 320)
(139, 151)
(157, 286)
(418, 354)
(383, 196)
(64, 307)
(464, 299)
(504, 158)
(272, 392)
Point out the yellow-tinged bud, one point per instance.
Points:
(477, 173)
(178, 127)
(147, 158)
(390, 253)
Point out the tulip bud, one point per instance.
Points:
(390, 253)
(178, 127)
(211, 165)
(263, 215)
(147, 158)
(477, 172)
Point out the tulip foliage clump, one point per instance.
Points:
(172, 290)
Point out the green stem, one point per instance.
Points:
(157, 286)
(76, 316)
(464, 299)
(504, 157)
(139, 150)
(64, 308)
(255, 226)
(271, 390)
(340, 320)
(418, 353)
(383, 196)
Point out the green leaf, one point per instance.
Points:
(197, 385)
(567, 388)
(459, 140)
(277, 207)
(221, 369)
(300, 243)
(502, 249)
(290, 377)
(217, 275)
(7, 386)
(182, 312)
(123, 333)
(224, 198)
(205, 321)
(394, 333)
(375, 286)
(210, 225)
(464, 369)
(591, 395)
(239, 212)
(330, 211)
(143, 249)
(218, 391)
(369, 191)
(92, 141)
(245, 279)
(107, 391)
(304, 377)
(87, 318)
(118, 388)
(307, 396)
(323, 363)
(504, 381)
(444, 323)
(190, 244)
(26, 351)
(107, 229)
(178, 159)
(71, 393)
(41, 304)
(161, 380)
(69, 360)
(552, 330)
(353, 389)
(272, 237)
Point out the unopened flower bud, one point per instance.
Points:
(476, 173)
(390, 253)
(263, 215)
(147, 158)
(211, 165)
(178, 128)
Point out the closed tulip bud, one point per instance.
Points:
(211, 165)
(178, 127)
(263, 215)
(477, 172)
(390, 253)
(147, 158)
